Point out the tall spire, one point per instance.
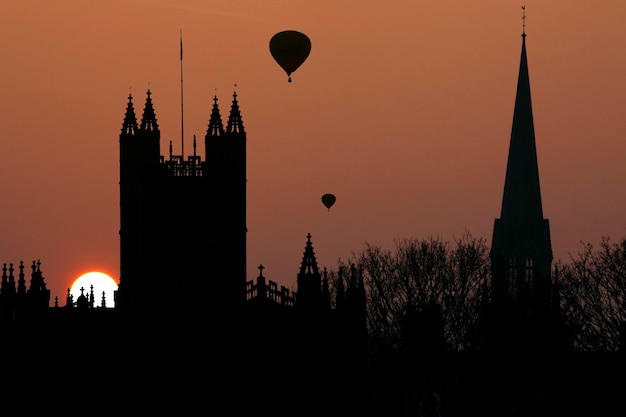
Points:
(522, 194)
(522, 296)
(521, 251)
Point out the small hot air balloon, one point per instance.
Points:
(290, 49)
(328, 200)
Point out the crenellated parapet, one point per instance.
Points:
(263, 289)
(345, 315)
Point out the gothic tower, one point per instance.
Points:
(182, 221)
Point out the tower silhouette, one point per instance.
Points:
(183, 276)
(521, 338)
(521, 251)
(182, 221)
(522, 290)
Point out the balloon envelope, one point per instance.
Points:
(328, 200)
(290, 49)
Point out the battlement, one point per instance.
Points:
(178, 167)
(268, 290)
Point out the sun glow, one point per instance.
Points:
(100, 283)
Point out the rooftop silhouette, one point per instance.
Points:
(188, 330)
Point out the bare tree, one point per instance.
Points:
(417, 276)
(593, 294)
(469, 272)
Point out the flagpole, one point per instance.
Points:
(182, 124)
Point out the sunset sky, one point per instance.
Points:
(403, 110)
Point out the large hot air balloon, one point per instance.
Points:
(290, 49)
(328, 200)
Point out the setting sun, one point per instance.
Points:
(101, 282)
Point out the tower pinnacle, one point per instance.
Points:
(235, 123)
(216, 127)
(149, 121)
(129, 126)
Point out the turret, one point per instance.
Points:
(38, 293)
(216, 127)
(309, 280)
(139, 144)
(149, 134)
(225, 171)
(21, 282)
(129, 125)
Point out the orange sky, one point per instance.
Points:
(403, 110)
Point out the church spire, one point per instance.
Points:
(521, 252)
(522, 195)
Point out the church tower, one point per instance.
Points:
(523, 297)
(182, 220)
(521, 251)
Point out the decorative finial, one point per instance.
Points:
(524, 20)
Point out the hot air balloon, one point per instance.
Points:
(328, 200)
(290, 49)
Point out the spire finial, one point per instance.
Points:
(524, 20)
